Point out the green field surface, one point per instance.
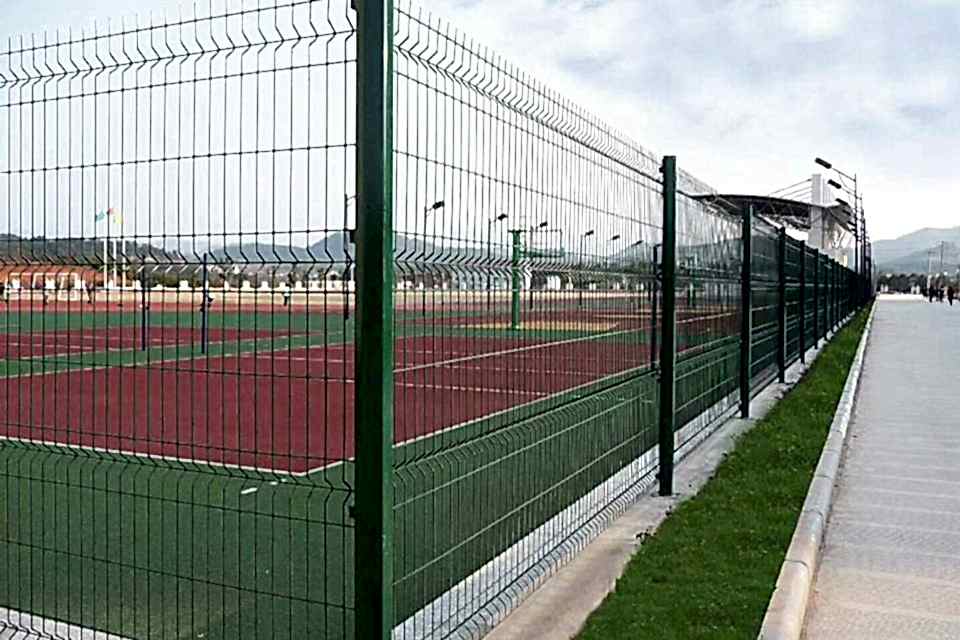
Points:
(155, 549)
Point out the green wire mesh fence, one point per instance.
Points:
(223, 415)
(177, 385)
(523, 236)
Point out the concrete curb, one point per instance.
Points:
(788, 605)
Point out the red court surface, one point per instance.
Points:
(49, 344)
(292, 411)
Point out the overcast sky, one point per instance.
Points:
(744, 92)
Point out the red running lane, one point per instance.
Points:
(289, 411)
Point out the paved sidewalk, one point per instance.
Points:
(890, 567)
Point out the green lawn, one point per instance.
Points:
(710, 569)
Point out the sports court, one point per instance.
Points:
(258, 418)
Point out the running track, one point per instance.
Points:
(292, 411)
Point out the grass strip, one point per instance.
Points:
(710, 569)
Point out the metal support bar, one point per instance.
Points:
(373, 391)
(204, 306)
(516, 255)
(668, 345)
(782, 307)
(144, 317)
(746, 311)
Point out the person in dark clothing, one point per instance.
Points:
(950, 294)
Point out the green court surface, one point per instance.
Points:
(150, 550)
(155, 548)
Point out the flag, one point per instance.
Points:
(112, 212)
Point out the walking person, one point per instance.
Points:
(950, 294)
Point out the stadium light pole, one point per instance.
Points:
(859, 222)
(613, 238)
(543, 225)
(436, 206)
(639, 284)
(583, 237)
(490, 223)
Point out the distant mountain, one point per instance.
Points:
(910, 251)
(262, 253)
(928, 258)
(75, 251)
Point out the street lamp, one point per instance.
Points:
(499, 218)
(439, 204)
(859, 220)
(583, 237)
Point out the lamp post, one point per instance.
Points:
(583, 237)
(490, 222)
(542, 225)
(436, 206)
(860, 223)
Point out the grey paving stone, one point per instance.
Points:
(890, 566)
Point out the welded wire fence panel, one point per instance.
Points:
(810, 295)
(524, 239)
(176, 401)
(792, 265)
(765, 304)
(709, 258)
(823, 295)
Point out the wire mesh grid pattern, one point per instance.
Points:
(177, 397)
(180, 270)
(524, 231)
(709, 261)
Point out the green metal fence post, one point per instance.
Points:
(782, 307)
(803, 303)
(515, 257)
(668, 325)
(746, 312)
(373, 425)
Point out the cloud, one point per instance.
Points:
(745, 92)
